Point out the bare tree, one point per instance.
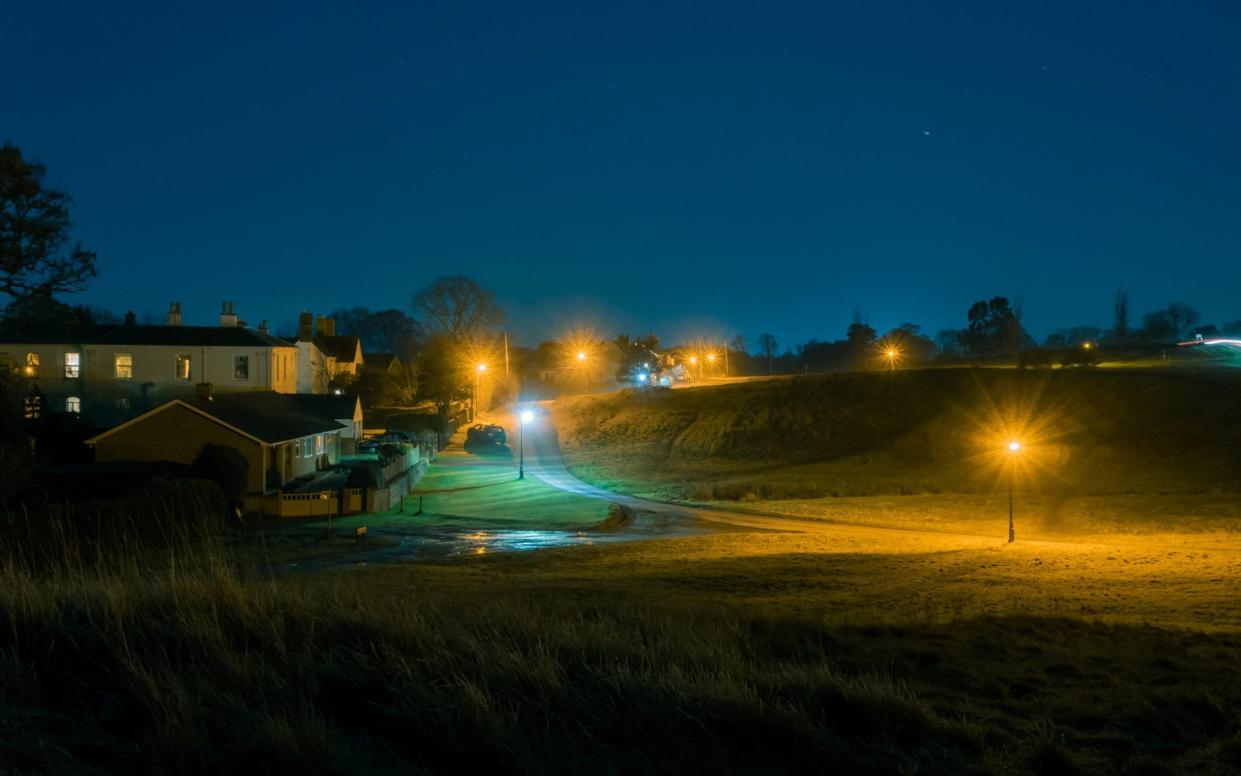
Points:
(36, 256)
(458, 308)
(767, 346)
(1120, 308)
(739, 345)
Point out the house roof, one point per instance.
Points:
(263, 416)
(342, 347)
(195, 336)
(381, 361)
(53, 335)
(328, 405)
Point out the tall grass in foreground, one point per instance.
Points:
(154, 651)
(210, 671)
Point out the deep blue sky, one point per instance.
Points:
(742, 167)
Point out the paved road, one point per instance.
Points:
(545, 461)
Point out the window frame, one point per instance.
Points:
(238, 374)
(73, 405)
(76, 366)
(32, 364)
(189, 367)
(116, 366)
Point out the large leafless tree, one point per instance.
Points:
(458, 308)
(37, 258)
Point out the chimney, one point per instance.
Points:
(174, 314)
(228, 316)
(130, 318)
(263, 326)
(205, 391)
(320, 325)
(305, 326)
(329, 327)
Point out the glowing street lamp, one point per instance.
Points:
(478, 374)
(1014, 448)
(891, 354)
(525, 416)
(581, 355)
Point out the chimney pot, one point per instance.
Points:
(174, 314)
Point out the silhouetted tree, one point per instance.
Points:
(37, 259)
(1120, 316)
(861, 339)
(381, 331)
(948, 342)
(1073, 337)
(990, 328)
(458, 308)
(1172, 322)
(767, 346)
(913, 346)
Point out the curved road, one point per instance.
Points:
(545, 461)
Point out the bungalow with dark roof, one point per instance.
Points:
(282, 437)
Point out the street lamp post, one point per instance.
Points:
(523, 417)
(1014, 447)
(478, 375)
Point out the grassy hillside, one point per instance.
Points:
(911, 432)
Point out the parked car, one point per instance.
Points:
(486, 434)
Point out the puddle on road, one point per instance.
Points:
(445, 543)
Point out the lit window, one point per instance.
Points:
(183, 367)
(32, 364)
(241, 368)
(73, 365)
(73, 404)
(308, 448)
(318, 444)
(124, 366)
(122, 404)
(32, 406)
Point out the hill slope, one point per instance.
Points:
(918, 431)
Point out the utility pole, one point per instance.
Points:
(726, 359)
(506, 354)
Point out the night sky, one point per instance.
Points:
(723, 167)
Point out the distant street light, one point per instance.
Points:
(1014, 447)
(525, 416)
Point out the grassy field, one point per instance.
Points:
(733, 653)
